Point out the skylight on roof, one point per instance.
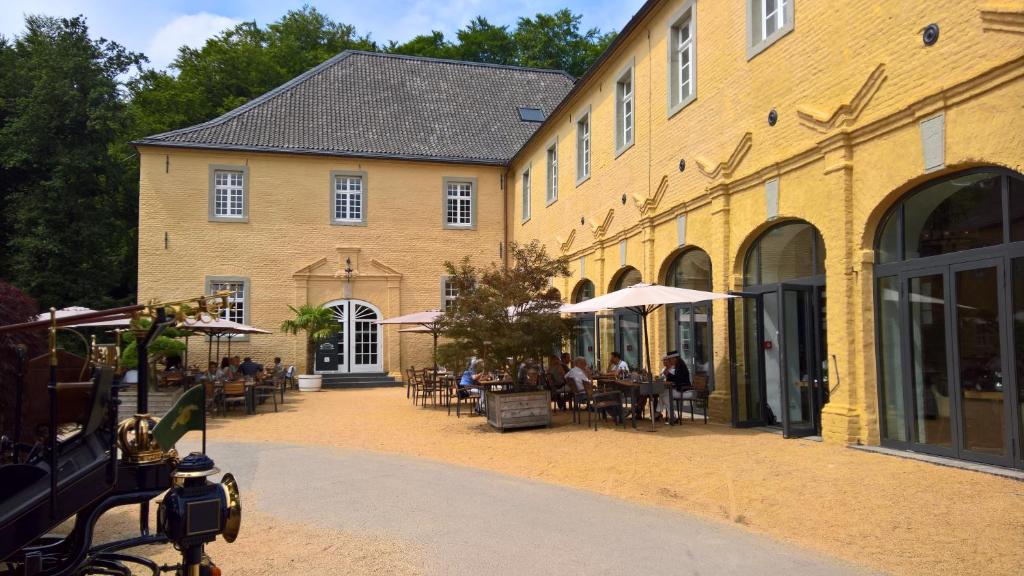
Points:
(531, 114)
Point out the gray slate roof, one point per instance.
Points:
(367, 104)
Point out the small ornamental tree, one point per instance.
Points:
(317, 322)
(15, 308)
(505, 314)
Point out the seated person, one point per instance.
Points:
(617, 368)
(556, 378)
(226, 373)
(277, 369)
(467, 384)
(578, 378)
(210, 374)
(677, 376)
(566, 361)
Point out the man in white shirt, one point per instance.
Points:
(578, 375)
(618, 367)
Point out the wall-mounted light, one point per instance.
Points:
(682, 164)
(623, 198)
(930, 34)
(773, 117)
(582, 221)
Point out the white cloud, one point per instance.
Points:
(189, 29)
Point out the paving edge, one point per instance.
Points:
(949, 462)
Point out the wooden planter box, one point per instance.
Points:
(507, 410)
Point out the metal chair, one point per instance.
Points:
(697, 399)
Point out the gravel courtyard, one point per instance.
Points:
(878, 512)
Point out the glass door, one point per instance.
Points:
(746, 338)
(799, 367)
(928, 361)
(979, 344)
(1017, 282)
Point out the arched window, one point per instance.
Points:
(584, 291)
(789, 251)
(689, 325)
(628, 277)
(949, 279)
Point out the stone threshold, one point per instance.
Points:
(943, 461)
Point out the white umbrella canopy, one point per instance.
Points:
(417, 330)
(219, 325)
(116, 323)
(64, 312)
(644, 298)
(422, 318)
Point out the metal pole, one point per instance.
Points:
(52, 388)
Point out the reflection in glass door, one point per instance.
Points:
(798, 361)
(979, 366)
(693, 340)
(629, 342)
(1017, 277)
(929, 383)
(746, 335)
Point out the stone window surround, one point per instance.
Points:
(551, 184)
(246, 299)
(755, 43)
(526, 183)
(244, 169)
(362, 206)
(472, 181)
(627, 73)
(581, 116)
(688, 11)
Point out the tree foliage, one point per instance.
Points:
(67, 176)
(316, 321)
(505, 314)
(70, 105)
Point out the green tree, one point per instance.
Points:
(67, 177)
(504, 313)
(481, 41)
(555, 41)
(433, 45)
(317, 322)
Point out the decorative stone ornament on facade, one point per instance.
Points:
(771, 198)
(997, 17)
(565, 244)
(648, 205)
(844, 114)
(601, 229)
(933, 142)
(725, 169)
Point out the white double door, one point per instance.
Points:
(358, 346)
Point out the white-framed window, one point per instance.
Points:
(460, 196)
(552, 161)
(527, 177)
(228, 193)
(238, 300)
(583, 148)
(624, 111)
(767, 21)
(448, 293)
(682, 46)
(348, 206)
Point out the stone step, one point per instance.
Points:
(335, 381)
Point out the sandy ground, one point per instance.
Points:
(881, 512)
(273, 547)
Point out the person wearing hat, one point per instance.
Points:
(678, 375)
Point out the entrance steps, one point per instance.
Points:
(370, 380)
(160, 401)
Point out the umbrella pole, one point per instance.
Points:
(218, 349)
(229, 344)
(647, 358)
(185, 367)
(209, 349)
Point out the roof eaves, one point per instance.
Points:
(642, 13)
(308, 152)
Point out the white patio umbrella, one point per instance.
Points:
(64, 312)
(427, 322)
(220, 327)
(643, 299)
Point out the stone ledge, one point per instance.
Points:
(942, 461)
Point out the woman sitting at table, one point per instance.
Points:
(677, 376)
(556, 379)
(227, 371)
(467, 384)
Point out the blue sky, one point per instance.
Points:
(157, 28)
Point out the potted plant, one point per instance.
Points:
(319, 324)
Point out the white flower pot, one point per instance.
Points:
(310, 382)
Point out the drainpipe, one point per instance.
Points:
(504, 216)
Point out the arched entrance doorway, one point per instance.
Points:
(585, 331)
(949, 293)
(358, 346)
(777, 332)
(689, 325)
(620, 331)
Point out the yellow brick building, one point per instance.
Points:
(853, 168)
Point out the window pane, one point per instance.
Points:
(932, 424)
(1016, 209)
(888, 240)
(691, 270)
(979, 350)
(584, 292)
(890, 362)
(1018, 335)
(958, 214)
(629, 278)
(786, 253)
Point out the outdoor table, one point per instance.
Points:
(633, 388)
